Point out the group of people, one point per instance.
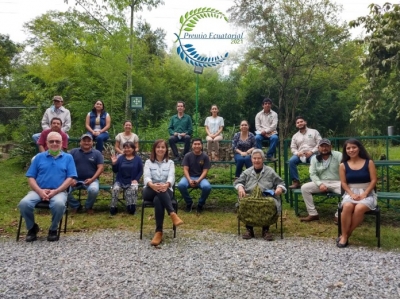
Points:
(54, 174)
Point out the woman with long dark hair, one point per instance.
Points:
(159, 179)
(214, 125)
(98, 121)
(243, 144)
(126, 136)
(358, 178)
(129, 169)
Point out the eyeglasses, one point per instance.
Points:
(54, 141)
(57, 101)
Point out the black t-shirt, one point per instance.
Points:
(196, 163)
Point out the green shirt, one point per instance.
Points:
(180, 125)
(330, 172)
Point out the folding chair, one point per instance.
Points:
(376, 213)
(150, 204)
(45, 205)
(276, 224)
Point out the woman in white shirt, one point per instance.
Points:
(126, 136)
(214, 125)
(159, 178)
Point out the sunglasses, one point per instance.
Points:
(54, 141)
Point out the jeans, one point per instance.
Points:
(35, 137)
(92, 190)
(162, 201)
(204, 186)
(273, 141)
(293, 162)
(100, 140)
(240, 161)
(57, 208)
(173, 140)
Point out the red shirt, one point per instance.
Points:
(43, 138)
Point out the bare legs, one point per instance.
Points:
(352, 216)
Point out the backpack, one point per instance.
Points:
(257, 209)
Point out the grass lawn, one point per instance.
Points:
(219, 214)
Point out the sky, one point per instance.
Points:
(14, 13)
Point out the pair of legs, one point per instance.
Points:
(240, 162)
(173, 140)
(92, 190)
(273, 141)
(57, 208)
(130, 194)
(204, 186)
(213, 143)
(308, 189)
(351, 217)
(293, 162)
(100, 140)
(162, 202)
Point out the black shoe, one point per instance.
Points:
(31, 236)
(199, 209)
(178, 159)
(131, 209)
(52, 236)
(188, 208)
(113, 211)
(272, 159)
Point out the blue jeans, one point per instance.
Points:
(273, 141)
(293, 162)
(204, 186)
(100, 140)
(240, 161)
(57, 208)
(92, 190)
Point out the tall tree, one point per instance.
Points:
(292, 39)
(381, 65)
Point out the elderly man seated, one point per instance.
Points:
(266, 179)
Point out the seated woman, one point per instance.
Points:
(214, 125)
(126, 136)
(243, 144)
(159, 178)
(129, 169)
(98, 121)
(358, 178)
(266, 179)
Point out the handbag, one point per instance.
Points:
(257, 209)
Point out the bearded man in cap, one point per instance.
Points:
(89, 164)
(324, 174)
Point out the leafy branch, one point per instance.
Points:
(189, 54)
(190, 19)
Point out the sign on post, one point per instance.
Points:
(136, 102)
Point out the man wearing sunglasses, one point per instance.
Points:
(49, 176)
(56, 110)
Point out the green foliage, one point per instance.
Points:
(380, 100)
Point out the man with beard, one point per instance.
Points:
(56, 124)
(324, 173)
(303, 146)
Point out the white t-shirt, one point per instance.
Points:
(213, 123)
(122, 138)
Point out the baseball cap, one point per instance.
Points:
(324, 141)
(87, 135)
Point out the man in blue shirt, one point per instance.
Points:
(49, 176)
(89, 164)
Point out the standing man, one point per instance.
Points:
(89, 164)
(304, 144)
(49, 176)
(56, 110)
(180, 129)
(324, 174)
(56, 125)
(195, 168)
(266, 123)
